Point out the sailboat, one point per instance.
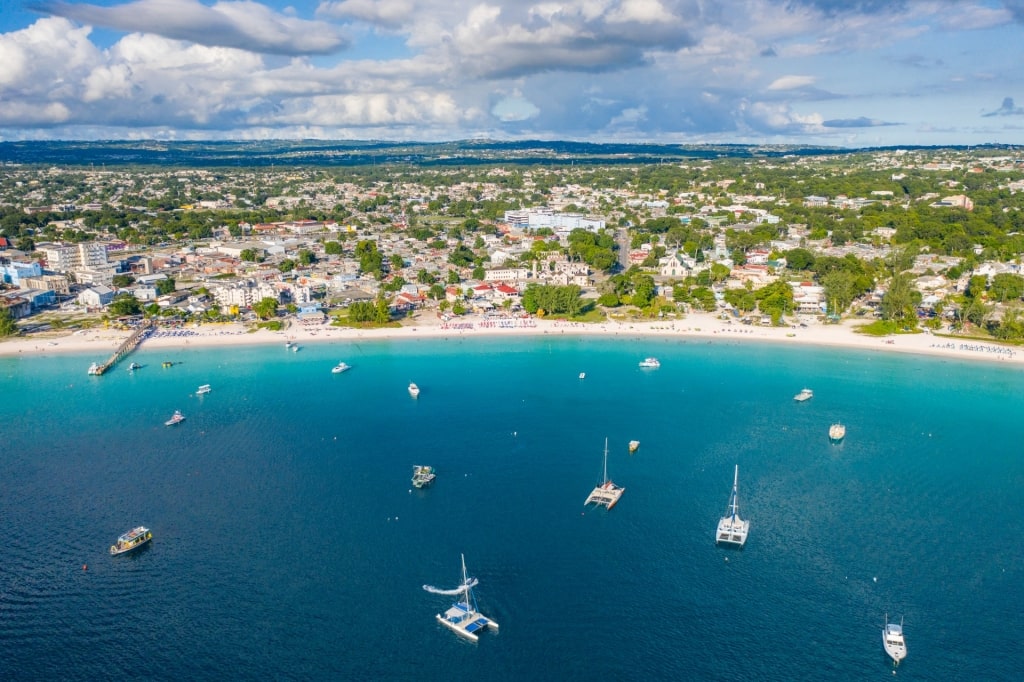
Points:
(463, 618)
(732, 530)
(892, 640)
(607, 494)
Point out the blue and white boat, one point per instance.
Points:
(463, 618)
(732, 530)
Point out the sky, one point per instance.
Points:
(847, 73)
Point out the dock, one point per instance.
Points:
(126, 347)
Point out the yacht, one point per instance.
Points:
(422, 475)
(176, 418)
(804, 394)
(634, 445)
(203, 390)
(136, 537)
(892, 639)
(341, 367)
(463, 618)
(650, 363)
(583, 375)
(836, 432)
(732, 530)
(606, 494)
(414, 390)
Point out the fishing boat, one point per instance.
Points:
(422, 475)
(607, 494)
(836, 432)
(463, 618)
(414, 390)
(892, 640)
(804, 394)
(732, 530)
(650, 363)
(203, 390)
(634, 445)
(176, 418)
(134, 538)
(340, 367)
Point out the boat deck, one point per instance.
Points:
(732, 532)
(605, 495)
(465, 621)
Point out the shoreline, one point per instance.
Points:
(104, 342)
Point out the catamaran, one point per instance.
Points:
(463, 618)
(732, 530)
(892, 639)
(607, 494)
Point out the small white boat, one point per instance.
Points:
(94, 369)
(651, 363)
(606, 494)
(176, 418)
(414, 390)
(804, 394)
(340, 367)
(134, 366)
(295, 349)
(583, 375)
(422, 475)
(463, 618)
(134, 538)
(892, 640)
(836, 432)
(204, 389)
(287, 344)
(732, 530)
(634, 445)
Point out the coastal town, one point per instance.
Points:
(912, 240)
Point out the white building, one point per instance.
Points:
(74, 257)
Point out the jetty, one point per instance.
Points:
(126, 347)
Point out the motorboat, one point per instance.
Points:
(133, 539)
(606, 494)
(732, 530)
(422, 475)
(836, 432)
(463, 618)
(650, 363)
(340, 367)
(892, 640)
(804, 394)
(583, 375)
(176, 418)
(203, 390)
(634, 445)
(414, 390)
(134, 366)
(95, 370)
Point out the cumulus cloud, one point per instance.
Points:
(240, 24)
(1007, 108)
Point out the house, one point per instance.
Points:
(96, 296)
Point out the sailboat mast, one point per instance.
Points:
(465, 582)
(735, 484)
(605, 459)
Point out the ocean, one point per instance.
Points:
(289, 543)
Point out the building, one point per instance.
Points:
(75, 256)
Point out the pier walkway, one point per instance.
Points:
(126, 347)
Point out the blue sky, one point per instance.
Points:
(832, 72)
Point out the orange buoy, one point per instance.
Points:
(85, 567)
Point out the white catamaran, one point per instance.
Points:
(732, 530)
(463, 618)
(607, 494)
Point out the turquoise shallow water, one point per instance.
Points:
(290, 545)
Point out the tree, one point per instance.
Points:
(333, 248)
(265, 308)
(479, 273)
(424, 277)
(287, 265)
(1007, 287)
(248, 255)
(121, 281)
(453, 277)
(799, 259)
(306, 257)
(124, 305)
(899, 300)
(165, 286)
(8, 327)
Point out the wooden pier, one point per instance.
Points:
(126, 347)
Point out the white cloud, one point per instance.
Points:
(791, 82)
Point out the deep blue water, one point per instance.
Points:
(290, 545)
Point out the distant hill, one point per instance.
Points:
(366, 153)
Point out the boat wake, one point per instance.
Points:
(472, 582)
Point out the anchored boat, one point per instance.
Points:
(134, 538)
(175, 419)
(892, 640)
(804, 394)
(732, 530)
(463, 618)
(422, 475)
(607, 494)
(414, 390)
(836, 432)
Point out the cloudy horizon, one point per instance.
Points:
(821, 72)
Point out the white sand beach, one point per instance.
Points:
(102, 343)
